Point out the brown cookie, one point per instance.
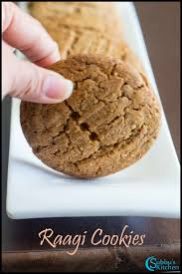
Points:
(96, 17)
(109, 122)
(82, 39)
(73, 42)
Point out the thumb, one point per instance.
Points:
(29, 82)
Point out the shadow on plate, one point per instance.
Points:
(55, 174)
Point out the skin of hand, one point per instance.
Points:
(29, 80)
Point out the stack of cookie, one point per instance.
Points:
(84, 27)
(113, 117)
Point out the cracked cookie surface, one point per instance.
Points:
(109, 122)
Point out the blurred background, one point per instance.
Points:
(160, 22)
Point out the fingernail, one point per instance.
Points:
(56, 56)
(56, 87)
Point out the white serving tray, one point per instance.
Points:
(151, 187)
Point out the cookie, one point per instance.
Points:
(82, 40)
(100, 5)
(72, 42)
(78, 16)
(109, 122)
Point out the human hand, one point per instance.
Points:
(27, 80)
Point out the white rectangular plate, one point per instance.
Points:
(148, 188)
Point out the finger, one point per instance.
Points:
(33, 83)
(23, 32)
(39, 85)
